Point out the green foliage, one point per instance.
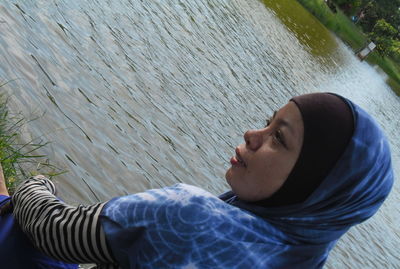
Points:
(348, 2)
(357, 3)
(383, 45)
(16, 157)
(395, 50)
(382, 28)
(379, 9)
(395, 18)
(383, 35)
(390, 67)
(369, 16)
(387, 9)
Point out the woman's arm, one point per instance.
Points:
(67, 233)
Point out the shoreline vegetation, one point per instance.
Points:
(20, 160)
(353, 36)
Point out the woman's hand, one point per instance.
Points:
(3, 187)
(7, 207)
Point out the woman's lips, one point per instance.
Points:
(237, 160)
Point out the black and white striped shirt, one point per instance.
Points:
(67, 233)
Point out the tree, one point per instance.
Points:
(383, 28)
(373, 10)
(383, 35)
(395, 19)
(370, 16)
(387, 9)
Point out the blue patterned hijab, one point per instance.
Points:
(351, 193)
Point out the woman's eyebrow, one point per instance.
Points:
(284, 123)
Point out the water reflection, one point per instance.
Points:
(308, 30)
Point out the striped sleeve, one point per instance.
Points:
(66, 233)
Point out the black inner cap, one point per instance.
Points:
(328, 127)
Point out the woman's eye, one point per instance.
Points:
(279, 137)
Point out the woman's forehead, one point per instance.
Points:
(290, 116)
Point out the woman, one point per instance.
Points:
(320, 166)
(16, 251)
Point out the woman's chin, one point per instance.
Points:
(229, 175)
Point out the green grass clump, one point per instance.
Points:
(349, 32)
(391, 68)
(16, 158)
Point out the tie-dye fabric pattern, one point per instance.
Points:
(186, 227)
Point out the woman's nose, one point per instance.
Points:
(254, 138)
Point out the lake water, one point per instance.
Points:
(144, 94)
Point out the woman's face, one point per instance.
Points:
(265, 160)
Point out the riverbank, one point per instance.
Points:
(346, 30)
(19, 160)
(8, 158)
